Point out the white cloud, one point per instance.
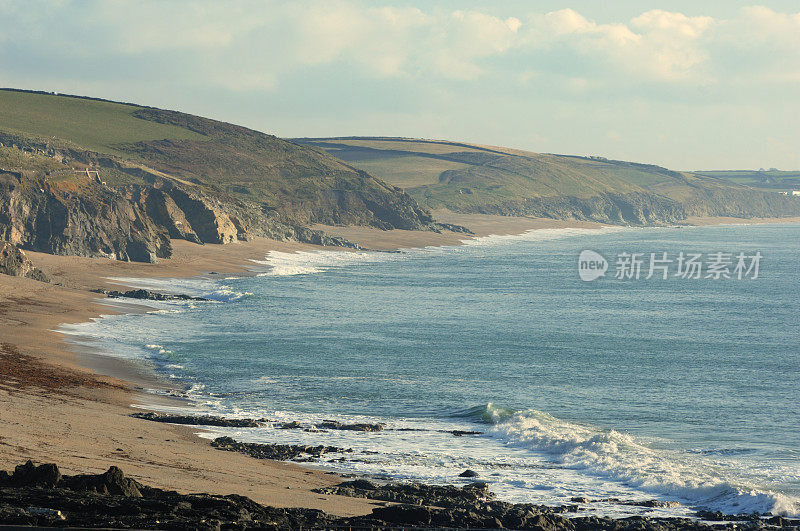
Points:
(254, 45)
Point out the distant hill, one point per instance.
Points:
(772, 179)
(475, 178)
(155, 174)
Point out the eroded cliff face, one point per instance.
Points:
(625, 209)
(83, 218)
(647, 208)
(129, 211)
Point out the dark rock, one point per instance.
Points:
(279, 452)
(111, 500)
(468, 474)
(290, 425)
(654, 503)
(144, 294)
(197, 420)
(461, 433)
(412, 515)
(30, 475)
(579, 499)
(415, 493)
(336, 425)
(711, 516)
(112, 482)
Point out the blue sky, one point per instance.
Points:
(688, 85)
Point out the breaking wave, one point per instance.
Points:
(620, 457)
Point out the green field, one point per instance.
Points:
(142, 146)
(97, 125)
(456, 175)
(775, 180)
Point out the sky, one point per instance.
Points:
(698, 85)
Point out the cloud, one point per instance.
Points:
(262, 43)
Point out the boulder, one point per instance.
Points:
(14, 262)
(412, 515)
(112, 482)
(30, 475)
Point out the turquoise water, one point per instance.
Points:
(671, 389)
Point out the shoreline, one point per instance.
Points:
(108, 392)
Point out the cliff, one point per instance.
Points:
(96, 178)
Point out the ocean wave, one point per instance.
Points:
(224, 294)
(533, 235)
(307, 262)
(624, 458)
(489, 413)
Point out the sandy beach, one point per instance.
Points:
(71, 408)
(57, 405)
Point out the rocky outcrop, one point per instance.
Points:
(279, 452)
(14, 262)
(83, 219)
(232, 187)
(359, 426)
(626, 209)
(199, 420)
(40, 496)
(144, 294)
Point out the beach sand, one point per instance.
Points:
(71, 408)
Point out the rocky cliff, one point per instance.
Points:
(479, 179)
(208, 182)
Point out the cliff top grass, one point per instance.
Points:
(97, 125)
(459, 175)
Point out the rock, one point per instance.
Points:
(655, 503)
(197, 420)
(579, 499)
(711, 516)
(144, 294)
(415, 493)
(468, 474)
(363, 484)
(13, 262)
(280, 452)
(94, 220)
(30, 475)
(336, 425)
(403, 515)
(461, 433)
(113, 482)
(112, 501)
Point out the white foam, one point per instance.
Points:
(623, 458)
(308, 262)
(196, 287)
(534, 235)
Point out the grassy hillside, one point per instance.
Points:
(155, 174)
(97, 125)
(134, 145)
(774, 180)
(476, 178)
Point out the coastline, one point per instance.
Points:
(79, 419)
(74, 409)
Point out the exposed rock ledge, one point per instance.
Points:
(40, 496)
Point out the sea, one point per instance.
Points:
(625, 388)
